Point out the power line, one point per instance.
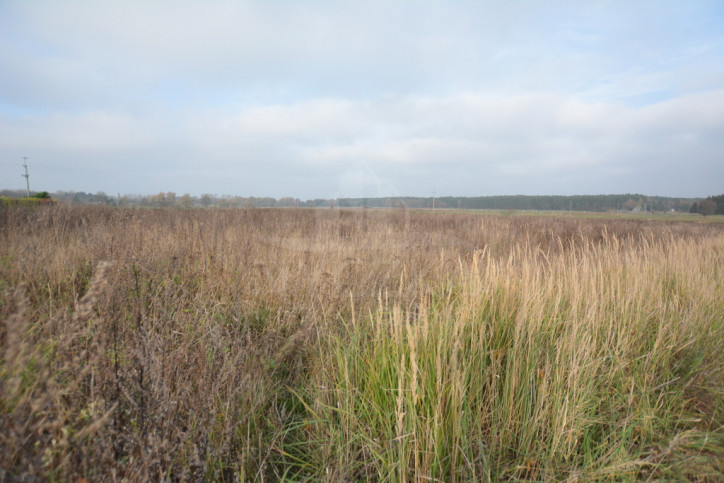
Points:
(86, 169)
(74, 169)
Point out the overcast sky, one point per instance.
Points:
(323, 99)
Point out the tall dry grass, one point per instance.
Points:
(599, 361)
(327, 344)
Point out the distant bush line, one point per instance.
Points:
(596, 203)
(33, 200)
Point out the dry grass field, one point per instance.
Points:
(268, 344)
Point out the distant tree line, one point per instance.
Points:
(599, 203)
(713, 205)
(161, 200)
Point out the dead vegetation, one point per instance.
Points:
(196, 344)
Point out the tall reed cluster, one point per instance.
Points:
(600, 361)
(340, 345)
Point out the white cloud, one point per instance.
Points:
(292, 98)
(528, 137)
(88, 132)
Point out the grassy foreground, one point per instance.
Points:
(358, 345)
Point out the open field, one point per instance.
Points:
(614, 215)
(333, 345)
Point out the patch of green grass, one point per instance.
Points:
(527, 375)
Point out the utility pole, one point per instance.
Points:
(433, 201)
(26, 175)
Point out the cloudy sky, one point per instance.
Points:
(363, 98)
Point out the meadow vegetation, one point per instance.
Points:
(268, 344)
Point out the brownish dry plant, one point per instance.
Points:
(186, 344)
